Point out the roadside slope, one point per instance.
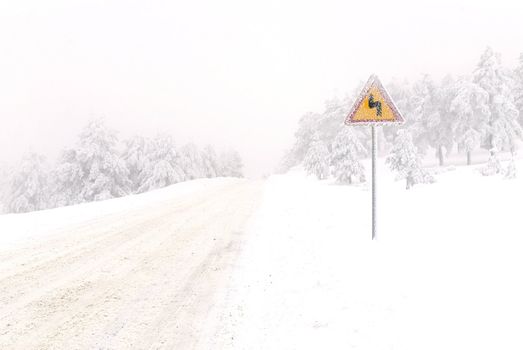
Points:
(443, 273)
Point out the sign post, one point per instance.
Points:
(374, 152)
(373, 107)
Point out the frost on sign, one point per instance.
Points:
(374, 105)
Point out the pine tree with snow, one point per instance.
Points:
(231, 164)
(316, 160)
(511, 172)
(4, 186)
(428, 116)
(28, 186)
(441, 136)
(345, 154)
(518, 81)
(106, 175)
(493, 165)
(93, 170)
(329, 122)
(470, 115)
(425, 116)
(406, 161)
(67, 180)
(401, 93)
(163, 167)
(307, 125)
(286, 163)
(211, 167)
(503, 127)
(136, 158)
(192, 161)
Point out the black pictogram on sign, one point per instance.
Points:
(375, 104)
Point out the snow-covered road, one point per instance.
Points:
(142, 277)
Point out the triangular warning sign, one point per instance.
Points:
(374, 105)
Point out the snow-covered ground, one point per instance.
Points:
(20, 228)
(444, 273)
(196, 265)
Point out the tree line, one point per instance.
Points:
(479, 110)
(100, 167)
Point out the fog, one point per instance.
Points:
(235, 74)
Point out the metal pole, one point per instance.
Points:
(374, 151)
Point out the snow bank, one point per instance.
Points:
(443, 274)
(17, 228)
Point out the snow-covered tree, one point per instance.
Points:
(231, 164)
(136, 158)
(303, 137)
(67, 180)
(93, 170)
(405, 160)
(345, 154)
(503, 127)
(441, 136)
(163, 167)
(4, 187)
(510, 172)
(425, 116)
(316, 160)
(518, 80)
(210, 162)
(286, 163)
(401, 94)
(106, 175)
(324, 125)
(192, 161)
(331, 120)
(493, 165)
(28, 185)
(470, 114)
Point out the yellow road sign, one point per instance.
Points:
(374, 105)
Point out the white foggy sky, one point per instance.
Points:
(231, 73)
